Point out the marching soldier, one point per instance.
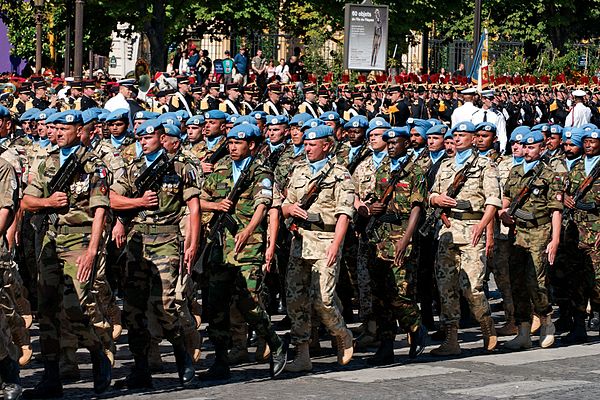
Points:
(314, 259)
(214, 140)
(461, 252)
(537, 224)
(70, 249)
(154, 256)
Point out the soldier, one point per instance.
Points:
(323, 104)
(460, 261)
(70, 249)
(193, 128)
(231, 105)
(211, 100)
(314, 258)
(582, 234)
(181, 100)
(40, 99)
(393, 270)
(154, 256)
(214, 139)
(309, 105)
(580, 114)
(233, 265)
(9, 202)
(271, 105)
(488, 113)
(537, 226)
(291, 154)
(87, 101)
(466, 111)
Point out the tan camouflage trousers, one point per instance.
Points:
(59, 290)
(528, 273)
(311, 286)
(500, 268)
(460, 268)
(9, 335)
(366, 255)
(10, 298)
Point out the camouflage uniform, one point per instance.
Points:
(63, 243)
(583, 256)
(237, 278)
(310, 283)
(201, 150)
(528, 260)
(153, 253)
(459, 265)
(393, 285)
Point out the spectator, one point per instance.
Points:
(193, 62)
(259, 68)
(283, 71)
(241, 64)
(270, 70)
(204, 68)
(460, 71)
(228, 66)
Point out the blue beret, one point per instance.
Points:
(169, 118)
(4, 112)
(434, 121)
(575, 135)
(300, 119)
(118, 114)
(231, 118)
(533, 137)
(215, 114)
(277, 120)
(448, 134)
(591, 134)
(244, 120)
(378, 123)
(52, 118)
(396, 132)
(91, 114)
(44, 114)
(69, 117)
(541, 127)
(148, 127)
(172, 130)
(519, 132)
(145, 115)
(311, 123)
(358, 121)
(486, 126)
(182, 115)
(260, 115)
(465, 126)
(589, 127)
(440, 129)
(29, 114)
(556, 130)
(196, 120)
(330, 116)
(244, 131)
(318, 132)
(421, 126)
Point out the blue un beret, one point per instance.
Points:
(215, 114)
(4, 112)
(311, 123)
(358, 121)
(44, 114)
(172, 130)
(300, 119)
(231, 118)
(439, 129)
(182, 115)
(378, 123)
(169, 118)
(533, 137)
(556, 130)
(244, 120)
(486, 126)
(591, 134)
(148, 127)
(69, 117)
(318, 132)
(588, 127)
(396, 132)
(145, 115)
(29, 114)
(196, 120)
(330, 116)
(541, 127)
(118, 114)
(277, 120)
(519, 132)
(244, 131)
(91, 114)
(260, 115)
(465, 126)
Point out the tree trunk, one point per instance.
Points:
(155, 30)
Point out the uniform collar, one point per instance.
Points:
(316, 166)
(462, 156)
(571, 163)
(378, 157)
(65, 152)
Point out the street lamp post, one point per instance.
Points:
(39, 4)
(78, 55)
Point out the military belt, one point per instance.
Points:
(153, 229)
(67, 230)
(466, 216)
(317, 227)
(533, 223)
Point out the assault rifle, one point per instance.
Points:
(568, 213)
(457, 184)
(219, 153)
(363, 152)
(514, 209)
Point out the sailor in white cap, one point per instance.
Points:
(579, 114)
(489, 113)
(466, 111)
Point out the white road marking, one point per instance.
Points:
(370, 375)
(517, 388)
(538, 355)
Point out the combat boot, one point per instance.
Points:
(418, 341)
(508, 329)
(26, 354)
(68, 365)
(578, 333)
(547, 332)
(523, 338)
(220, 368)
(263, 352)
(11, 383)
(278, 357)
(102, 371)
(185, 366)
(345, 347)
(114, 316)
(384, 354)
(238, 355)
(449, 346)
(49, 387)
(315, 342)
(23, 308)
(369, 337)
(154, 360)
(535, 323)
(490, 339)
(140, 376)
(301, 361)
(564, 323)
(594, 321)
(22, 340)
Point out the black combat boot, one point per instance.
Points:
(185, 366)
(9, 371)
(418, 341)
(279, 349)
(140, 376)
(50, 386)
(220, 368)
(102, 371)
(578, 333)
(384, 354)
